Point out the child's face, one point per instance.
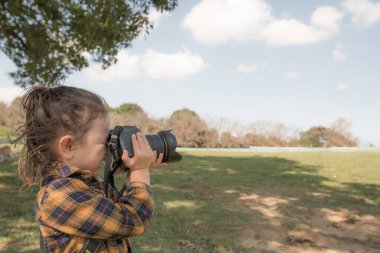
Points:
(90, 152)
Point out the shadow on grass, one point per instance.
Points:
(254, 204)
(270, 176)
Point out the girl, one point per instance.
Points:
(65, 132)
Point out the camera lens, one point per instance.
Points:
(163, 142)
(166, 143)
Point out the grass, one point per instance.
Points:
(239, 202)
(5, 134)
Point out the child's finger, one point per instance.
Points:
(153, 163)
(140, 141)
(160, 157)
(125, 157)
(135, 144)
(146, 143)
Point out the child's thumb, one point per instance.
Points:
(125, 156)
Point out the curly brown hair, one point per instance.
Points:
(49, 113)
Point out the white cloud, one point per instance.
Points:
(154, 64)
(127, 67)
(326, 18)
(338, 53)
(172, 66)
(246, 68)
(341, 87)
(156, 16)
(252, 20)
(7, 94)
(239, 20)
(290, 32)
(364, 12)
(291, 76)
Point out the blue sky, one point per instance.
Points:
(300, 63)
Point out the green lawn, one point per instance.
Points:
(239, 202)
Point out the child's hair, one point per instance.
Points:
(49, 113)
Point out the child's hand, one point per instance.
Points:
(157, 163)
(143, 154)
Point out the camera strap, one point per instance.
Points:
(112, 162)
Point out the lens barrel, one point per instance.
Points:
(163, 142)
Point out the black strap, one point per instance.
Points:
(91, 246)
(112, 162)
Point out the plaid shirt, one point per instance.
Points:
(71, 206)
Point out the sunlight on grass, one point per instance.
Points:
(230, 191)
(152, 249)
(6, 174)
(163, 187)
(232, 171)
(181, 204)
(3, 242)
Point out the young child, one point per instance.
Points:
(65, 133)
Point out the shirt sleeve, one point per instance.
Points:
(72, 207)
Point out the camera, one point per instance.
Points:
(120, 138)
(163, 142)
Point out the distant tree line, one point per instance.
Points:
(193, 131)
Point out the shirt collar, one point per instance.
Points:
(63, 170)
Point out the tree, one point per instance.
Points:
(3, 113)
(314, 137)
(341, 135)
(189, 128)
(227, 140)
(321, 136)
(212, 138)
(128, 108)
(336, 139)
(47, 40)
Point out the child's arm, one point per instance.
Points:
(72, 207)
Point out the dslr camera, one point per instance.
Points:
(120, 138)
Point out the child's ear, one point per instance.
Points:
(65, 147)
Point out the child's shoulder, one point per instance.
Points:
(65, 184)
(66, 189)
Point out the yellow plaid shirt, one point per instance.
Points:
(71, 206)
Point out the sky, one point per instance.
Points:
(300, 63)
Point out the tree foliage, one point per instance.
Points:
(128, 108)
(189, 128)
(192, 131)
(314, 137)
(47, 40)
(320, 136)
